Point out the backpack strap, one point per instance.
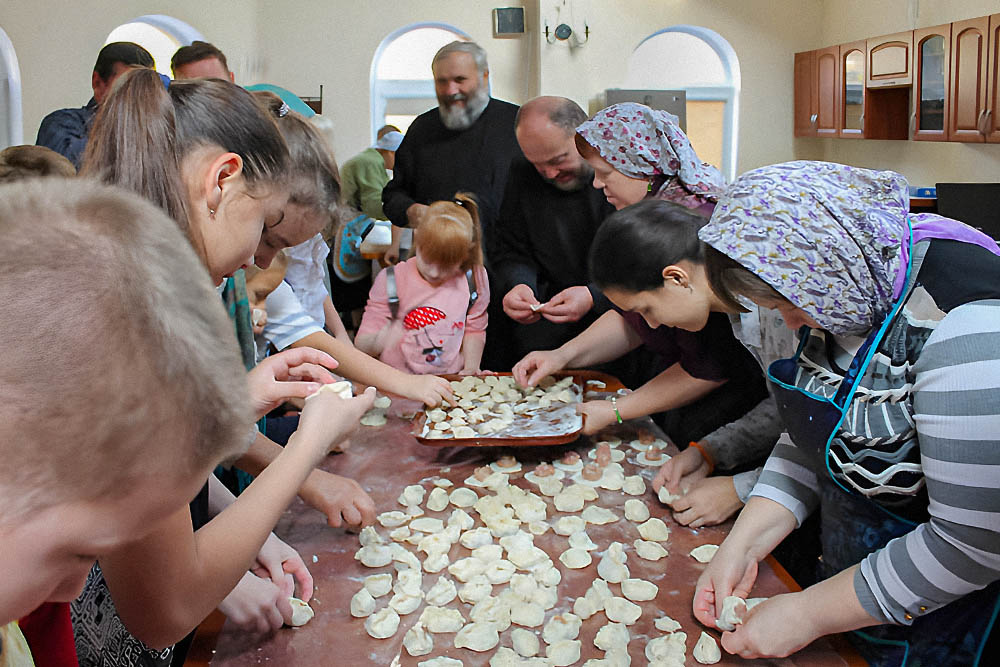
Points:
(391, 291)
(473, 291)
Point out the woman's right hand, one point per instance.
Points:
(537, 365)
(730, 572)
(328, 419)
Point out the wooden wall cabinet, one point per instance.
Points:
(806, 103)
(851, 89)
(817, 97)
(991, 120)
(931, 83)
(969, 55)
(889, 60)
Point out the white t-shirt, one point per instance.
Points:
(287, 321)
(306, 275)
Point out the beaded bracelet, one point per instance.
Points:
(614, 404)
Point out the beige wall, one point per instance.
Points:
(57, 42)
(922, 162)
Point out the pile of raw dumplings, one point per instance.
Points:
(492, 404)
(501, 590)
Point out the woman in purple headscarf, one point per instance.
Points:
(638, 152)
(891, 412)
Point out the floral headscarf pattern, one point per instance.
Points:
(826, 236)
(641, 142)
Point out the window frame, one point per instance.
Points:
(728, 94)
(14, 114)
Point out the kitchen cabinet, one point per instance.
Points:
(806, 94)
(931, 83)
(991, 121)
(890, 61)
(817, 97)
(851, 88)
(969, 57)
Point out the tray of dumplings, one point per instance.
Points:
(493, 410)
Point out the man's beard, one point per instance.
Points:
(462, 118)
(583, 176)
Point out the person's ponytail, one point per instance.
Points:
(132, 143)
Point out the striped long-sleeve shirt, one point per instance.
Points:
(924, 428)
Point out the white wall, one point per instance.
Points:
(57, 42)
(922, 162)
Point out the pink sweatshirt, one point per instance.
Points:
(426, 336)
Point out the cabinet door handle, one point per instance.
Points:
(980, 125)
(813, 118)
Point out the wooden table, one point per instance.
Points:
(386, 459)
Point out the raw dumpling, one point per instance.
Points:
(561, 626)
(639, 590)
(438, 500)
(476, 589)
(373, 418)
(704, 553)
(564, 652)
(654, 529)
(418, 641)
(706, 651)
(477, 637)
(612, 567)
(362, 604)
(442, 592)
(440, 661)
(636, 510)
(525, 642)
(667, 624)
(427, 524)
(463, 497)
(649, 550)
(598, 515)
(404, 604)
(392, 519)
(575, 558)
(378, 585)
(621, 610)
(436, 562)
(612, 636)
(581, 540)
(634, 485)
(666, 497)
(528, 614)
(667, 649)
(374, 555)
(441, 619)
(412, 495)
(383, 623)
(302, 613)
(733, 609)
(568, 525)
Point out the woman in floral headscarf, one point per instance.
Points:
(891, 408)
(638, 152)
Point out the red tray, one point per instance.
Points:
(579, 377)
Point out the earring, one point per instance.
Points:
(211, 212)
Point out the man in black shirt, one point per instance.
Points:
(464, 145)
(542, 238)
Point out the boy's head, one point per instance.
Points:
(121, 385)
(260, 283)
(18, 162)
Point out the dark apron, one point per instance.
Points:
(853, 526)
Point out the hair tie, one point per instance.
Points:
(283, 110)
(460, 202)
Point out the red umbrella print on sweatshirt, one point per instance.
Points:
(418, 320)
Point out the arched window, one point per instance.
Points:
(160, 35)
(11, 126)
(702, 63)
(402, 87)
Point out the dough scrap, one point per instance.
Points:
(302, 613)
(634, 485)
(598, 515)
(378, 585)
(654, 530)
(568, 525)
(525, 642)
(442, 592)
(463, 497)
(706, 651)
(477, 637)
(383, 623)
(560, 627)
(575, 558)
(362, 604)
(667, 624)
(612, 636)
(639, 590)
(704, 553)
(437, 500)
(635, 510)
(441, 619)
(621, 610)
(581, 540)
(564, 652)
(649, 550)
(418, 641)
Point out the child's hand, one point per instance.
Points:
(430, 390)
(297, 372)
(327, 418)
(257, 605)
(276, 560)
(342, 500)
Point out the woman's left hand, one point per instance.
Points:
(294, 373)
(708, 502)
(276, 560)
(775, 628)
(596, 415)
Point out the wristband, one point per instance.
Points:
(704, 454)
(614, 404)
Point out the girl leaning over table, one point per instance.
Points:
(891, 407)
